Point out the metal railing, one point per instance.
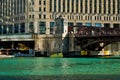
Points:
(96, 31)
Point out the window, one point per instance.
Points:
(104, 6)
(32, 16)
(76, 6)
(40, 2)
(72, 5)
(52, 27)
(90, 6)
(88, 24)
(70, 23)
(64, 6)
(40, 9)
(86, 6)
(59, 6)
(40, 16)
(50, 6)
(68, 6)
(54, 5)
(22, 28)
(44, 9)
(44, 2)
(100, 4)
(44, 16)
(31, 27)
(16, 29)
(42, 27)
(95, 5)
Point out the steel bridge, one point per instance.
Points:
(94, 38)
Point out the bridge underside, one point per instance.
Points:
(95, 43)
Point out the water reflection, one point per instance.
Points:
(59, 66)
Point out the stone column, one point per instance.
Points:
(36, 27)
(26, 27)
(47, 27)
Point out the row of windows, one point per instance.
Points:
(9, 29)
(72, 17)
(81, 6)
(41, 16)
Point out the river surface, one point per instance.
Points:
(32, 68)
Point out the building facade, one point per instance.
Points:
(37, 16)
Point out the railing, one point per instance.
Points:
(95, 32)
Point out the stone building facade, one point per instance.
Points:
(38, 16)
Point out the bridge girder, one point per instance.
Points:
(94, 43)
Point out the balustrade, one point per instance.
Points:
(95, 31)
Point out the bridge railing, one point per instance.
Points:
(96, 31)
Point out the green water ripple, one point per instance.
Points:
(59, 66)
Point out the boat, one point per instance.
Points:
(6, 56)
(23, 55)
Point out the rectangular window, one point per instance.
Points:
(72, 5)
(44, 2)
(105, 6)
(100, 5)
(86, 6)
(59, 7)
(52, 27)
(39, 16)
(95, 6)
(44, 9)
(31, 27)
(40, 2)
(76, 6)
(54, 5)
(81, 6)
(40, 9)
(42, 27)
(50, 6)
(90, 6)
(113, 6)
(64, 6)
(44, 16)
(109, 6)
(68, 6)
(22, 28)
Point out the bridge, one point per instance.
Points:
(94, 38)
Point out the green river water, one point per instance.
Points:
(35, 68)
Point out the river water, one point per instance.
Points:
(32, 68)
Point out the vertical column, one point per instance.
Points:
(111, 25)
(70, 6)
(66, 5)
(93, 7)
(2, 29)
(97, 6)
(61, 5)
(83, 7)
(88, 10)
(47, 27)
(36, 26)
(102, 8)
(74, 6)
(53, 5)
(57, 5)
(107, 6)
(111, 4)
(19, 28)
(13, 28)
(116, 6)
(26, 27)
(79, 6)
